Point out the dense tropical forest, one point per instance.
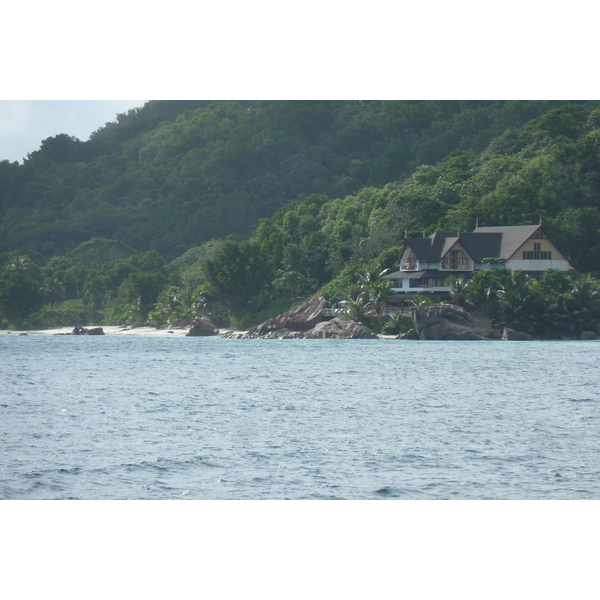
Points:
(239, 209)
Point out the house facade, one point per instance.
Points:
(427, 262)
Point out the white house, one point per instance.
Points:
(427, 262)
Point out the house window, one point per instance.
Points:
(416, 283)
(411, 261)
(537, 247)
(537, 255)
(455, 259)
(538, 235)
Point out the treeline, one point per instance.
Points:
(554, 305)
(172, 175)
(547, 168)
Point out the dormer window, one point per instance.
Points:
(411, 261)
(455, 260)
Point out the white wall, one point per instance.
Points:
(537, 265)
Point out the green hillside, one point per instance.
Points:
(234, 208)
(172, 175)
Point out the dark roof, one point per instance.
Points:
(418, 274)
(427, 249)
(484, 242)
(395, 275)
(480, 246)
(420, 247)
(512, 236)
(440, 241)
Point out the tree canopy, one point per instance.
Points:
(175, 174)
(227, 207)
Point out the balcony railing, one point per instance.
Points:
(454, 267)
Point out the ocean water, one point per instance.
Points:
(172, 417)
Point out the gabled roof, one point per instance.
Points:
(438, 244)
(429, 249)
(420, 247)
(448, 243)
(480, 246)
(512, 237)
(484, 242)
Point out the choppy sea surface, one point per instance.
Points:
(172, 417)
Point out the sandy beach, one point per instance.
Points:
(119, 330)
(108, 330)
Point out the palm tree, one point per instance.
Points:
(520, 302)
(371, 293)
(459, 290)
(422, 301)
(581, 305)
(368, 277)
(378, 294)
(482, 293)
(357, 308)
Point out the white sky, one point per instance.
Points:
(25, 123)
(57, 63)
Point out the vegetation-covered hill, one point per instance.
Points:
(319, 194)
(172, 175)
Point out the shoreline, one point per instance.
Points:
(142, 330)
(183, 331)
(108, 330)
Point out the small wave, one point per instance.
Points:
(258, 455)
(390, 492)
(35, 474)
(71, 471)
(168, 464)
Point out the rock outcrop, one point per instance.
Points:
(95, 331)
(78, 330)
(307, 322)
(202, 326)
(302, 319)
(511, 335)
(483, 322)
(411, 334)
(282, 334)
(445, 322)
(307, 316)
(341, 328)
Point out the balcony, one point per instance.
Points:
(454, 267)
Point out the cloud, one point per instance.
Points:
(25, 123)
